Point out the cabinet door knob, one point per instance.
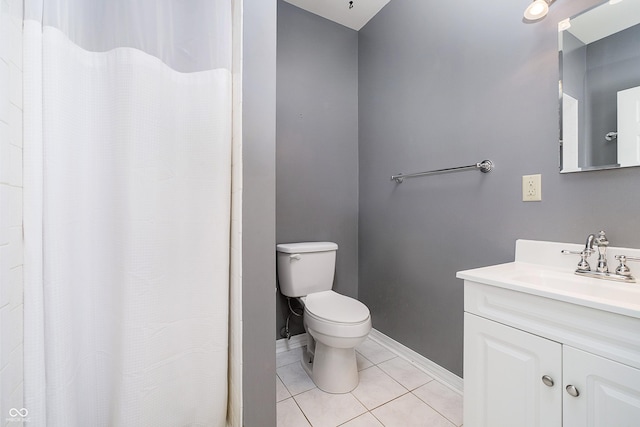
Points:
(547, 380)
(572, 390)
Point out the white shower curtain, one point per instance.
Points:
(127, 217)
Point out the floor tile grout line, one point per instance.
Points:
(402, 385)
(414, 366)
(365, 358)
(285, 386)
(358, 416)
(438, 412)
(396, 381)
(431, 406)
(377, 419)
(288, 390)
(382, 404)
(303, 414)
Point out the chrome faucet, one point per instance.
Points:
(601, 243)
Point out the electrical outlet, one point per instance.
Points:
(532, 188)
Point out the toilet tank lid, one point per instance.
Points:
(295, 248)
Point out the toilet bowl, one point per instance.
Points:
(335, 323)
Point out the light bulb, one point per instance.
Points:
(537, 9)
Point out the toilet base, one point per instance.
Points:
(333, 370)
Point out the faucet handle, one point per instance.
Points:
(583, 265)
(584, 251)
(601, 239)
(622, 269)
(628, 258)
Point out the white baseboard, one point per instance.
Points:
(289, 344)
(444, 376)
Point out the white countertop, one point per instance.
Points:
(540, 269)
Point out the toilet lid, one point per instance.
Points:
(333, 307)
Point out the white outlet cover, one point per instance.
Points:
(532, 188)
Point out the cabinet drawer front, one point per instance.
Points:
(610, 335)
(609, 391)
(503, 370)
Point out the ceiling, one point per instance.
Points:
(339, 11)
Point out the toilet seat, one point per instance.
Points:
(330, 306)
(329, 316)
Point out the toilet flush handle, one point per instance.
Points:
(295, 256)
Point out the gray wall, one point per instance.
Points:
(317, 141)
(258, 212)
(448, 84)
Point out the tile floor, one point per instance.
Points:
(392, 392)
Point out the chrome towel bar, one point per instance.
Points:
(484, 166)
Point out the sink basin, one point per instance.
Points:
(557, 280)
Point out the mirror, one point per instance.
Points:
(599, 52)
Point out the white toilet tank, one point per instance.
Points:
(306, 268)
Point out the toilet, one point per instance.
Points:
(335, 323)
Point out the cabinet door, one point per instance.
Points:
(503, 370)
(609, 392)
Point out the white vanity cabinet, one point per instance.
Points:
(525, 354)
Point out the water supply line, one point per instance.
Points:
(284, 332)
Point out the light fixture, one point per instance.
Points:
(538, 9)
